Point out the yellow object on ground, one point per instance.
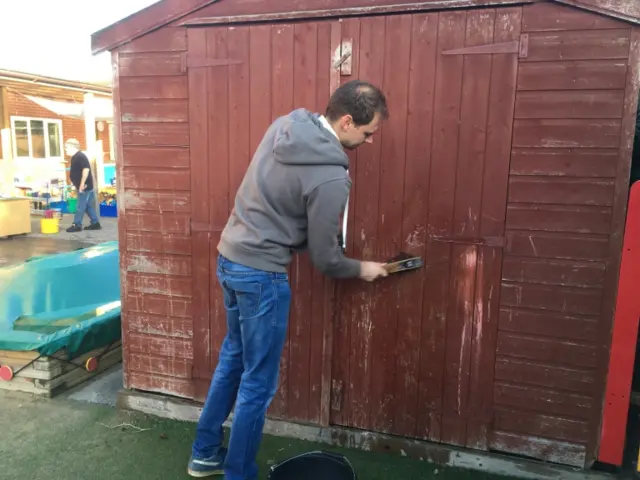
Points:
(49, 225)
(15, 216)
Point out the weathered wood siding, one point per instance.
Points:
(505, 171)
(561, 260)
(154, 183)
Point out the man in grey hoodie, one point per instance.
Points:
(290, 200)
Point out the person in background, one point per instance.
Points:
(290, 200)
(80, 174)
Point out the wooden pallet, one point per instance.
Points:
(50, 376)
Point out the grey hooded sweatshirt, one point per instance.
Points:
(291, 199)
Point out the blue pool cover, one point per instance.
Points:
(66, 301)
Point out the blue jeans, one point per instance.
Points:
(85, 203)
(257, 305)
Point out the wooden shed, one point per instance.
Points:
(505, 165)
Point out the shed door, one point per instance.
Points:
(240, 79)
(414, 354)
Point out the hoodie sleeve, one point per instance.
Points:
(325, 203)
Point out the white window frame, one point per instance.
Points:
(45, 121)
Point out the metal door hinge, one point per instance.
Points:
(343, 57)
(521, 47)
(498, 242)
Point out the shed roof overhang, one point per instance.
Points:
(165, 12)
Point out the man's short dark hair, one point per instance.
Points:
(359, 99)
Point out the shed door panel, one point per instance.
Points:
(414, 354)
(240, 80)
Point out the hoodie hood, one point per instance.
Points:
(300, 139)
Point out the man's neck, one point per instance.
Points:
(328, 125)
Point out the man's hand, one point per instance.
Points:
(82, 187)
(369, 271)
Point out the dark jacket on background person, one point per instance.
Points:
(78, 163)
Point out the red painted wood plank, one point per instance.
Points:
(412, 365)
(444, 154)
(305, 88)
(492, 223)
(355, 303)
(161, 305)
(259, 84)
(158, 243)
(156, 157)
(564, 453)
(145, 178)
(573, 75)
(239, 108)
(466, 221)
(553, 298)
(616, 420)
(161, 223)
(318, 283)
(384, 368)
(553, 272)
(578, 219)
(159, 365)
(155, 134)
(160, 285)
(199, 149)
(570, 104)
(121, 191)
(217, 128)
(159, 264)
(564, 162)
(155, 110)
(174, 87)
(548, 376)
(562, 191)
(628, 10)
(546, 426)
(282, 103)
(272, 10)
(156, 64)
(545, 17)
(154, 201)
(578, 45)
(544, 401)
(166, 39)
(549, 324)
(176, 387)
(163, 346)
(563, 133)
(557, 245)
(161, 325)
(547, 350)
(623, 343)
(217, 178)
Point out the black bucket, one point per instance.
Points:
(314, 466)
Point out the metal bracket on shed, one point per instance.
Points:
(343, 57)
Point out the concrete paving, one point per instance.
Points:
(15, 250)
(103, 390)
(108, 233)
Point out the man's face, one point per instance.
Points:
(70, 150)
(352, 136)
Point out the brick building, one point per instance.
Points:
(37, 114)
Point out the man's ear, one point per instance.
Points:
(346, 121)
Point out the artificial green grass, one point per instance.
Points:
(64, 440)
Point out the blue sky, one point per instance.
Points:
(53, 37)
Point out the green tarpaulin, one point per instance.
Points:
(67, 301)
